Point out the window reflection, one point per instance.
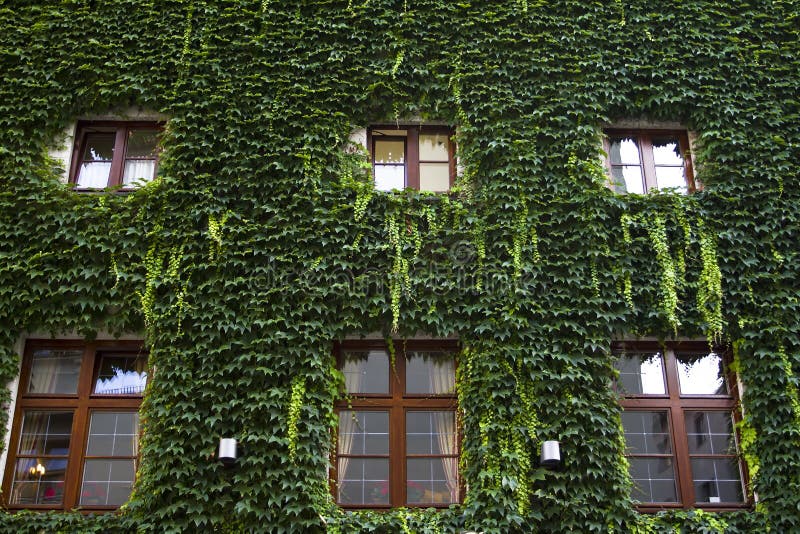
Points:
(701, 374)
(121, 374)
(641, 374)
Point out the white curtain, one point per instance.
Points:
(94, 174)
(138, 170)
(348, 424)
(442, 377)
(444, 424)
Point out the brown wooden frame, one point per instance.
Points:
(411, 139)
(81, 404)
(120, 129)
(676, 404)
(397, 403)
(644, 140)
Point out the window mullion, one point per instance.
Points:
(118, 161)
(412, 158)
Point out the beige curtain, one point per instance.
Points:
(444, 424)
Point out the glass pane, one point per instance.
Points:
(434, 177)
(363, 481)
(653, 479)
(138, 171)
(641, 373)
(55, 371)
(121, 374)
(628, 179)
(624, 151)
(701, 374)
(45, 433)
(433, 147)
(389, 151)
(388, 177)
(672, 177)
(710, 433)
(38, 481)
(93, 174)
(107, 482)
(113, 434)
(716, 480)
(431, 432)
(366, 372)
(666, 151)
(646, 432)
(99, 147)
(430, 372)
(142, 144)
(432, 480)
(363, 432)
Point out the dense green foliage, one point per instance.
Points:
(262, 241)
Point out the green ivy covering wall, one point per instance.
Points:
(262, 241)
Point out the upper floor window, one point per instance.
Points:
(74, 439)
(415, 157)
(679, 410)
(114, 154)
(398, 439)
(643, 160)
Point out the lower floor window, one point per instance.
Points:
(678, 420)
(76, 427)
(397, 442)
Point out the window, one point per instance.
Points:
(678, 420)
(416, 157)
(643, 160)
(110, 154)
(74, 440)
(397, 441)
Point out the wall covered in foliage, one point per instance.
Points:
(262, 241)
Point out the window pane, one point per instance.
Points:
(717, 480)
(624, 151)
(673, 177)
(666, 151)
(45, 433)
(628, 179)
(641, 374)
(93, 174)
(107, 482)
(366, 372)
(434, 177)
(142, 144)
(433, 147)
(646, 432)
(701, 374)
(388, 177)
(653, 479)
(389, 151)
(113, 434)
(363, 481)
(432, 480)
(138, 171)
(55, 371)
(38, 481)
(363, 432)
(430, 372)
(710, 433)
(121, 374)
(99, 147)
(431, 432)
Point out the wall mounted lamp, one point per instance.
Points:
(227, 451)
(551, 454)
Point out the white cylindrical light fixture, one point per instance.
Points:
(227, 451)
(551, 454)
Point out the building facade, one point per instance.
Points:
(392, 248)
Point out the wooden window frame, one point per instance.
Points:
(676, 405)
(411, 144)
(120, 130)
(397, 403)
(644, 139)
(82, 404)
